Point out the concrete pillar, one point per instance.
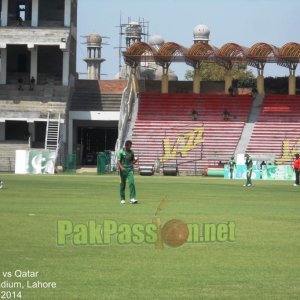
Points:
(89, 71)
(260, 84)
(92, 72)
(67, 18)
(2, 131)
(98, 72)
(3, 72)
(66, 68)
(292, 85)
(196, 81)
(165, 81)
(31, 129)
(35, 13)
(95, 71)
(228, 81)
(4, 13)
(34, 62)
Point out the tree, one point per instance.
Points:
(242, 77)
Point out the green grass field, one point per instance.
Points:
(262, 263)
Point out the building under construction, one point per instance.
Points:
(38, 69)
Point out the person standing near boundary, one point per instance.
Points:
(232, 165)
(126, 160)
(297, 169)
(249, 165)
(1, 184)
(32, 83)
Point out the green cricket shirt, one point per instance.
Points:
(126, 158)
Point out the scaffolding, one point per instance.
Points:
(130, 39)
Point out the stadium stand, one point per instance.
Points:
(167, 118)
(278, 122)
(280, 108)
(94, 95)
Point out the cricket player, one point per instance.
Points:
(297, 169)
(126, 160)
(1, 184)
(231, 165)
(249, 164)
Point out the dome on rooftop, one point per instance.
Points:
(201, 33)
(94, 38)
(156, 40)
(133, 30)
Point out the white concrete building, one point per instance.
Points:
(37, 68)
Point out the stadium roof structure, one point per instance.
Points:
(288, 56)
(257, 55)
(168, 51)
(261, 53)
(138, 52)
(230, 53)
(198, 53)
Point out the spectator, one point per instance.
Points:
(194, 115)
(254, 92)
(27, 134)
(20, 21)
(32, 82)
(226, 115)
(230, 91)
(20, 81)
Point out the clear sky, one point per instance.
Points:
(244, 22)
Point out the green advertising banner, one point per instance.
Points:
(281, 172)
(240, 172)
(41, 162)
(35, 162)
(268, 172)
